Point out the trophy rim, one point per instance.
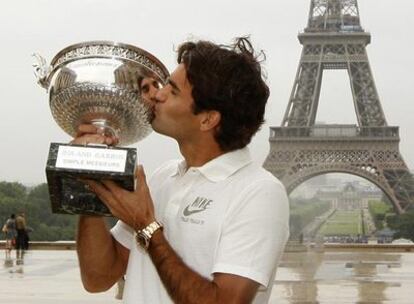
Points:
(66, 91)
(55, 64)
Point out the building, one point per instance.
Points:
(349, 196)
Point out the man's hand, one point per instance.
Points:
(135, 208)
(90, 134)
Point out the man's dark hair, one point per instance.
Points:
(227, 79)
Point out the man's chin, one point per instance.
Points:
(160, 131)
(155, 128)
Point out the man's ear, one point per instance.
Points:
(209, 120)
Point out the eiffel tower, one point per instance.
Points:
(301, 149)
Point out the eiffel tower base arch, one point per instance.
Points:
(375, 157)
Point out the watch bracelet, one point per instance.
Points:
(151, 228)
(148, 232)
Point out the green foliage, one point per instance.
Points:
(12, 197)
(13, 190)
(35, 203)
(379, 207)
(15, 197)
(403, 224)
(303, 212)
(379, 211)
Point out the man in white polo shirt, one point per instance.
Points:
(212, 227)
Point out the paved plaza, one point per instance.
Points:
(343, 276)
(47, 277)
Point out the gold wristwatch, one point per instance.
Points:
(143, 237)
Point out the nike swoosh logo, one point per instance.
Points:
(187, 211)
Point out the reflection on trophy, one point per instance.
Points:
(96, 82)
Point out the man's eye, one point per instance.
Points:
(156, 84)
(145, 89)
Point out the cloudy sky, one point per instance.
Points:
(47, 26)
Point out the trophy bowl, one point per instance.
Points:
(99, 83)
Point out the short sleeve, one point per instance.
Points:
(123, 234)
(254, 232)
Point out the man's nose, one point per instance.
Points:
(152, 92)
(160, 95)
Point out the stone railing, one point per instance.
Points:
(59, 245)
(334, 132)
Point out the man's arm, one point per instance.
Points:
(102, 259)
(186, 286)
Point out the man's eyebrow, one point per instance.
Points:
(173, 84)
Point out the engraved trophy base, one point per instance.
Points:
(67, 164)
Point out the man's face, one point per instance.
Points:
(173, 112)
(149, 88)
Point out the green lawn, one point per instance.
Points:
(343, 223)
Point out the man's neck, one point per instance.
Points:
(196, 155)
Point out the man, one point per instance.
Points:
(225, 219)
(21, 237)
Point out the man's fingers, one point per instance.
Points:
(91, 134)
(119, 194)
(111, 199)
(96, 186)
(140, 175)
(115, 189)
(104, 194)
(90, 139)
(111, 141)
(86, 129)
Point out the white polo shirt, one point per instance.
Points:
(228, 216)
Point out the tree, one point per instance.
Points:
(403, 224)
(47, 226)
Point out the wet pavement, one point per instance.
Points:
(345, 277)
(47, 277)
(303, 277)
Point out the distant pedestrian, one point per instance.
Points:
(27, 239)
(9, 229)
(21, 237)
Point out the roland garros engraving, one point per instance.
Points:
(82, 158)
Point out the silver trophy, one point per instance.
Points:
(96, 82)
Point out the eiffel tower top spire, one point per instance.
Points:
(334, 16)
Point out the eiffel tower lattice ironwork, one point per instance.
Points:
(299, 149)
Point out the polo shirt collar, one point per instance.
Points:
(221, 167)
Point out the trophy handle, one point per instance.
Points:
(41, 70)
